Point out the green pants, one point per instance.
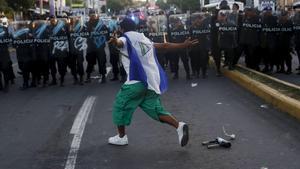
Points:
(132, 96)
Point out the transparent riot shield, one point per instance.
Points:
(99, 35)
(269, 29)
(22, 33)
(41, 32)
(227, 29)
(250, 28)
(5, 39)
(296, 23)
(59, 37)
(157, 28)
(178, 27)
(200, 28)
(78, 36)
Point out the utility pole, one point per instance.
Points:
(41, 7)
(52, 7)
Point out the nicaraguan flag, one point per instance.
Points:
(144, 65)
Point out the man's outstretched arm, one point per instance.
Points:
(172, 46)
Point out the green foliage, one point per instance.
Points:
(20, 5)
(118, 5)
(185, 5)
(162, 4)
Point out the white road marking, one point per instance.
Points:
(78, 129)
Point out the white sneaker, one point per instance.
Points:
(117, 140)
(183, 133)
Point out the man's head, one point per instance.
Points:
(52, 20)
(235, 7)
(93, 15)
(127, 25)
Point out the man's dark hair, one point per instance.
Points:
(128, 25)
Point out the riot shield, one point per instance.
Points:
(269, 30)
(178, 27)
(41, 33)
(227, 29)
(99, 35)
(200, 29)
(250, 28)
(4, 37)
(59, 43)
(23, 40)
(157, 28)
(21, 33)
(78, 36)
(296, 22)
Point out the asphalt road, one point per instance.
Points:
(35, 129)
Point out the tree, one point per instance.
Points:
(118, 5)
(20, 5)
(185, 5)
(162, 4)
(3, 5)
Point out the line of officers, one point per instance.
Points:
(43, 48)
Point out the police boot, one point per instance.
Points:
(88, 78)
(25, 86)
(6, 87)
(81, 80)
(53, 82)
(75, 80)
(103, 79)
(188, 76)
(175, 76)
(115, 78)
(62, 80)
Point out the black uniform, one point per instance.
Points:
(24, 43)
(284, 44)
(250, 39)
(215, 49)
(5, 61)
(200, 29)
(156, 33)
(59, 51)
(227, 36)
(268, 41)
(178, 34)
(42, 51)
(78, 50)
(99, 34)
(296, 21)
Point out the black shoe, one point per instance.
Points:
(103, 80)
(33, 85)
(218, 74)
(123, 79)
(62, 80)
(175, 76)
(88, 80)
(115, 78)
(81, 81)
(288, 72)
(75, 81)
(53, 83)
(188, 77)
(24, 87)
(298, 68)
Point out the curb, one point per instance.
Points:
(278, 100)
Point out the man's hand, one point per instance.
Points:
(189, 42)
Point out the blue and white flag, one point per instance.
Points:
(144, 65)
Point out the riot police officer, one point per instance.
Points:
(59, 49)
(284, 43)
(42, 49)
(24, 43)
(178, 33)
(250, 38)
(78, 48)
(5, 62)
(200, 29)
(268, 39)
(99, 35)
